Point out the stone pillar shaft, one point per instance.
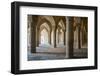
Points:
(64, 38)
(79, 44)
(33, 38)
(54, 38)
(33, 33)
(70, 37)
(49, 37)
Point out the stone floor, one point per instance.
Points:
(49, 53)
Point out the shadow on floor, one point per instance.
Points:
(56, 53)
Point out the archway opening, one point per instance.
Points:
(61, 41)
(44, 37)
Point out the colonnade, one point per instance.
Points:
(67, 30)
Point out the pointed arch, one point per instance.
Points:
(44, 36)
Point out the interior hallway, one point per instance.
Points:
(57, 37)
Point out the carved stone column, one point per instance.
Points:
(50, 37)
(37, 38)
(70, 37)
(79, 42)
(64, 37)
(54, 35)
(33, 34)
